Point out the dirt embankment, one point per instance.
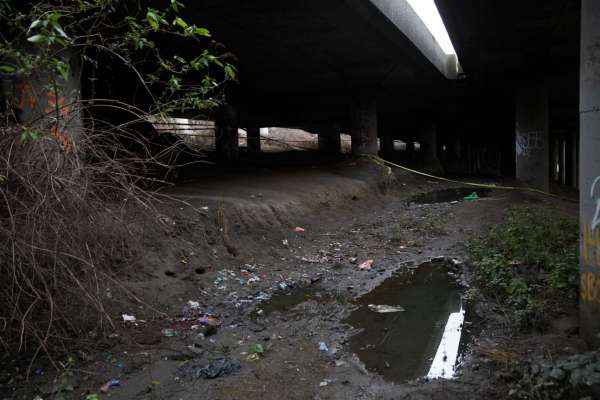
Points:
(247, 289)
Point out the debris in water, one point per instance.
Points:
(325, 383)
(299, 230)
(367, 265)
(383, 309)
(323, 347)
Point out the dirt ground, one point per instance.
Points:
(229, 243)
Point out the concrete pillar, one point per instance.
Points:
(253, 140)
(364, 127)
(429, 143)
(532, 147)
(226, 134)
(590, 171)
(51, 103)
(387, 143)
(330, 141)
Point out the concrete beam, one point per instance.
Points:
(532, 147)
(363, 127)
(226, 134)
(590, 171)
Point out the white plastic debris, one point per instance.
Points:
(194, 305)
(383, 309)
(128, 318)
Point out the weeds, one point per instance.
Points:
(529, 263)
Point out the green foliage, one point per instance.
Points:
(530, 263)
(132, 36)
(31, 135)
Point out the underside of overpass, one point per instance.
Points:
(310, 264)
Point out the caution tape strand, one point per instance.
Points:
(384, 162)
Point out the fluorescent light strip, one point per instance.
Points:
(430, 15)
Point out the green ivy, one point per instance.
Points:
(529, 263)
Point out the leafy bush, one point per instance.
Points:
(530, 263)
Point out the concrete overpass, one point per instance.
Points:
(326, 66)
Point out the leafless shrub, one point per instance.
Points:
(67, 228)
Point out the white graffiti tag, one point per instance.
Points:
(596, 219)
(527, 142)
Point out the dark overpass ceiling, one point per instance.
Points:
(310, 46)
(514, 39)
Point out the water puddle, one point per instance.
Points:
(448, 195)
(286, 300)
(420, 341)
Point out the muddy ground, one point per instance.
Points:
(237, 303)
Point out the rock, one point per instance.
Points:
(558, 374)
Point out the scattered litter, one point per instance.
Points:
(454, 202)
(325, 383)
(299, 229)
(353, 260)
(38, 398)
(367, 265)
(311, 259)
(285, 242)
(169, 332)
(194, 305)
(323, 347)
(472, 197)
(216, 368)
(340, 363)
(204, 208)
(128, 318)
(283, 286)
(383, 309)
(112, 383)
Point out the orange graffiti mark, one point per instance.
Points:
(591, 246)
(56, 102)
(63, 136)
(590, 288)
(26, 96)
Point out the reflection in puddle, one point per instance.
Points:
(448, 195)
(423, 340)
(445, 358)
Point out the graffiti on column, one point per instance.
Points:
(590, 281)
(52, 103)
(528, 142)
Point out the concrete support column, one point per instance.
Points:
(50, 103)
(253, 140)
(330, 141)
(590, 171)
(364, 127)
(387, 143)
(429, 143)
(226, 134)
(410, 150)
(532, 147)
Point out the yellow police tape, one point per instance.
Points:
(385, 163)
